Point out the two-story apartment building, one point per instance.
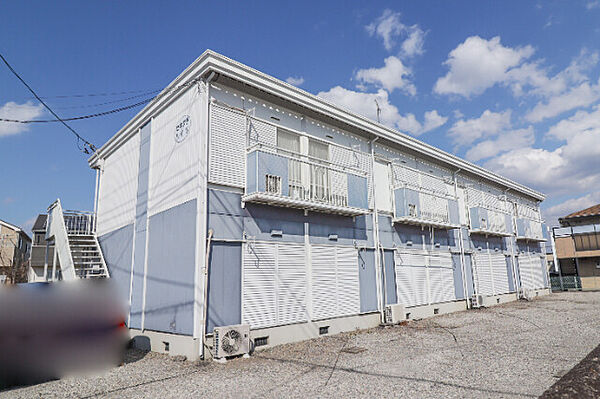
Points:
(577, 244)
(15, 245)
(237, 198)
(42, 253)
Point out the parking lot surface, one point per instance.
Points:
(517, 349)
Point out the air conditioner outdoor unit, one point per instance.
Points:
(394, 314)
(527, 294)
(477, 301)
(231, 341)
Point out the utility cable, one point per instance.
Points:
(79, 137)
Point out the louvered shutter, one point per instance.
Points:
(274, 284)
(259, 296)
(500, 273)
(411, 277)
(483, 273)
(227, 146)
(334, 286)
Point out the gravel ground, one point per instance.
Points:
(518, 349)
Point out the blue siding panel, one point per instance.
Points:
(358, 192)
(459, 290)
(116, 248)
(390, 277)
(400, 205)
(271, 164)
(511, 280)
(260, 220)
(367, 280)
(251, 186)
(224, 285)
(171, 266)
(453, 212)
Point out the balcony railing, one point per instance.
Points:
(281, 178)
(490, 222)
(425, 208)
(530, 230)
(80, 222)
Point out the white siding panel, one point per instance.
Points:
(174, 165)
(530, 271)
(411, 277)
(118, 187)
(227, 146)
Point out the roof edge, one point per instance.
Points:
(210, 60)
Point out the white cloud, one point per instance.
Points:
(413, 44)
(295, 81)
(593, 4)
(12, 110)
(364, 104)
(580, 96)
(478, 64)
(387, 27)
(490, 123)
(505, 141)
(393, 75)
(571, 169)
(571, 205)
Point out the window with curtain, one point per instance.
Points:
(319, 183)
(290, 142)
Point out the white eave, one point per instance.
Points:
(211, 61)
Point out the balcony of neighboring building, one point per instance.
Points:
(581, 241)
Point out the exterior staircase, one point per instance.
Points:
(75, 243)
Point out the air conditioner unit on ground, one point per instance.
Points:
(394, 314)
(231, 341)
(477, 301)
(527, 294)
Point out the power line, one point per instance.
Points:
(112, 111)
(79, 137)
(76, 118)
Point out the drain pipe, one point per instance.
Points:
(463, 266)
(513, 240)
(380, 289)
(205, 307)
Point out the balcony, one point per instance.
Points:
(425, 208)
(281, 178)
(529, 230)
(490, 222)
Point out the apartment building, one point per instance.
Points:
(236, 198)
(577, 244)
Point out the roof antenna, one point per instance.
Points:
(378, 111)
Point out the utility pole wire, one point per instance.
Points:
(90, 145)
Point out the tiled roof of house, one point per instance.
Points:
(591, 211)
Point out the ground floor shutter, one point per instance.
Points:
(424, 277)
(273, 284)
(531, 271)
(335, 289)
(490, 273)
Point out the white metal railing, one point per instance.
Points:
(309, 178)
(80, 222)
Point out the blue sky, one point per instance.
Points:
(513, 86)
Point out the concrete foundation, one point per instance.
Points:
(171, 344)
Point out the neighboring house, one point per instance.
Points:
(577, 244)
(42, 252)
(15, 245)
(240, 197)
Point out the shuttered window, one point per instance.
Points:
(334, 285)
(531, 271)
(490, 272)
(424, 277)
(227, 146)
(274, 284)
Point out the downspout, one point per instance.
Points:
(513, 240)
(463, 266)
(380, 289)
(210, 77)
(96, 190)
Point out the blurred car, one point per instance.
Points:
(49, 330)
